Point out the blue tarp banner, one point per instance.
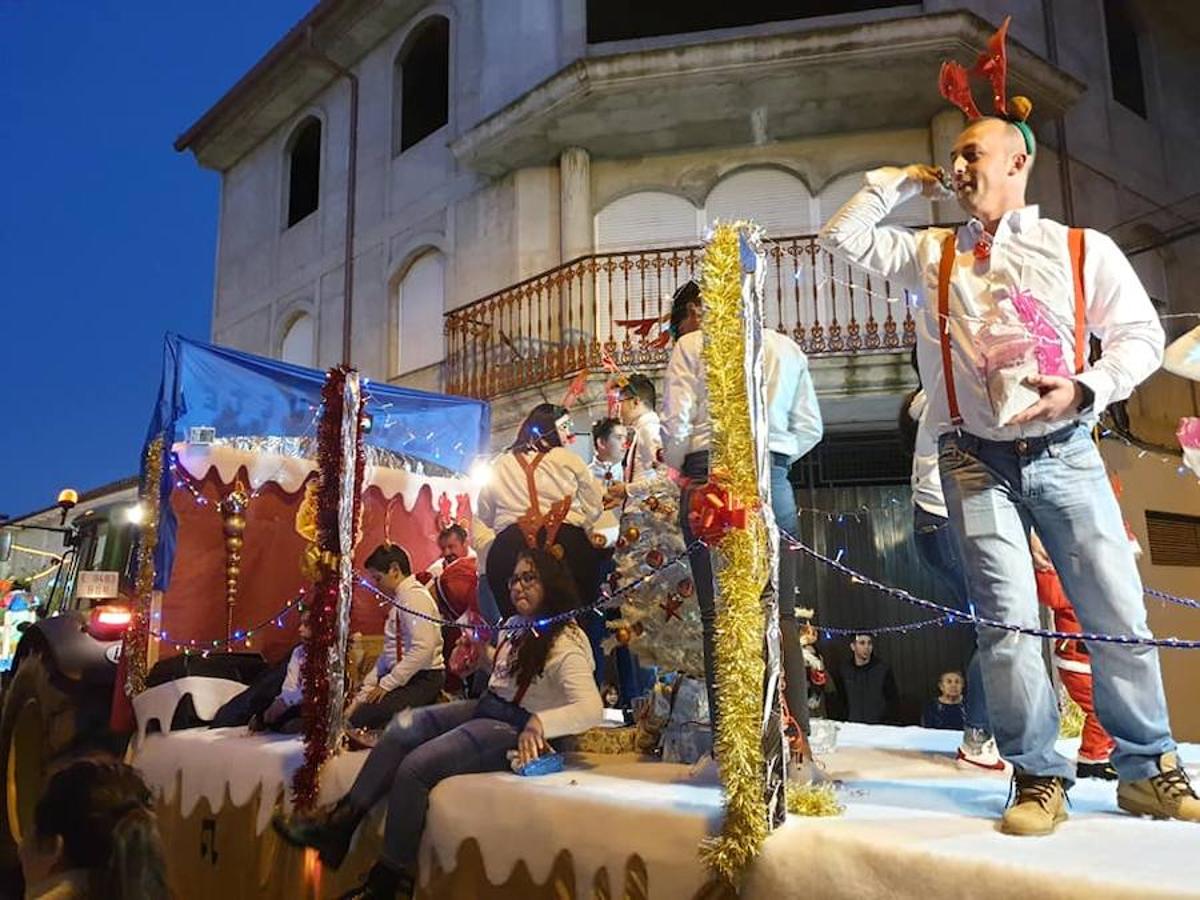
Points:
(241, 395)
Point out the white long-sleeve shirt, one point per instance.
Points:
(411, 644)
(607, 472)
(794, 424)
(290, 691)
(505, 498)
(926, 478)
(1029, 253)
(564, 696)
(645, 443)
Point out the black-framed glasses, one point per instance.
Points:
(525, 578)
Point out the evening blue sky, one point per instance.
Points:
(107, 235)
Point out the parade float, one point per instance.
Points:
(265, 486)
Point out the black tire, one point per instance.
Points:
(45, 723)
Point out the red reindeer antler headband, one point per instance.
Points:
(954, 83)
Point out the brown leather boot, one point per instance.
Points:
(1039, 804)
(1167, 795)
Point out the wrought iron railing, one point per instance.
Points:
(614, 306)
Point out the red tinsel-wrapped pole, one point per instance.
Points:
(340, 465)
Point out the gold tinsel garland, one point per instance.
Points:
(741, 564)
(137, 636)
(1070, 718)
(813, 800)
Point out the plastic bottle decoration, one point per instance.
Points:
(233, 517)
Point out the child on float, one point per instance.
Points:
(541, 687)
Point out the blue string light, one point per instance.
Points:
(983, 622)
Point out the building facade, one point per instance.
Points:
(532, 178)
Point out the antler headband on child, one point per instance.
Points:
(954, 83)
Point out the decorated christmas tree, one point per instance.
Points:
(660, 619)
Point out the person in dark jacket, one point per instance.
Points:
(866, 685)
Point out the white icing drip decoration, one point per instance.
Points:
(289, 473)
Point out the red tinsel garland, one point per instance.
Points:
(323, 615)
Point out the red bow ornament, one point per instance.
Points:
(712, 513)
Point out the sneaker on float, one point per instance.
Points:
(978, 749)
(1167, 795)
(1095, 768)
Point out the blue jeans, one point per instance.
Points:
(695, 469)
(783, 505)
(421, 748)
(995, 491)
(939, 551)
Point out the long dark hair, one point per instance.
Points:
(559, 594)
(539, 431)
(104, 814)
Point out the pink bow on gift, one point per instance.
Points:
(1049, 350)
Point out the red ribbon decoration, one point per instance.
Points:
(712, 513)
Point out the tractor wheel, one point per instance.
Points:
(42, 727)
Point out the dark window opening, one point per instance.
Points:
(1124, 57)
(619, 20)
(304, 172)
(422, 73)
(1174, 538)
(850, 458)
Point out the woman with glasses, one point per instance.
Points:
(541, 687)
(540, 494)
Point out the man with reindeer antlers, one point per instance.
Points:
(1016, 297)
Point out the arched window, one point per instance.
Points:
(777, 200)
(915, 212)
(298, 345)
(646, 219)
(420, 303)
(421, 84)
(304, 171)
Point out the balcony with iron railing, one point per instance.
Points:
(611, 309)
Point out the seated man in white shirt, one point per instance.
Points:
(794, 427)
(410, 671)
(283, 715)
(1007, 464)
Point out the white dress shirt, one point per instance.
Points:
(607, 472)
(1028, 252)
(794, 423)
(645, 442)
(505, 498)
(411, 644)
(291, 692)
(926, 479)
(564, 696)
